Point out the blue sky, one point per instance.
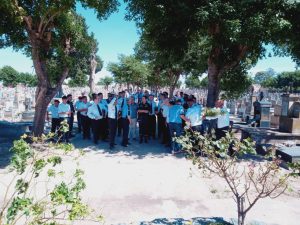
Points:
(117, 36)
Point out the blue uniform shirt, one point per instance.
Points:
(152, 106)
(133, 110)
(125, 110)
(54, 111)
(194, 114)
(175, 112)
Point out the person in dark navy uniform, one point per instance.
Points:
(152, 117)
(143, 114)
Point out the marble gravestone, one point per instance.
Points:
(290, 119)
(289, 154)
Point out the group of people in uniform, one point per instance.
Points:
(137, 116)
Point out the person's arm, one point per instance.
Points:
(184, 118)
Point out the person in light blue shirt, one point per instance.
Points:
(121, 102)
(104, 104)
(176, 114)
(125, 118)
(133, 106)
(193, 116)
(223, 120)
(82, 108)
(79, 122)
(55, 121)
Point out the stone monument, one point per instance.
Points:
(290, 114)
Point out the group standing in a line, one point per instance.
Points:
(124, 115)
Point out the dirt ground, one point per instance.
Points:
(144, 182)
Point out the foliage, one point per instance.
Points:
(10, 77)
(99, 64)
(222, 34)
(194, 82)
(248, 179)
(54, 36)
(263, 77)
(36, 165)
(285, 81)
(80, 79)
(234, 83)
(129, 70)
(106, 81)
(213, 112)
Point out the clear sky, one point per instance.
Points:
(117, 36)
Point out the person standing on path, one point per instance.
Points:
(125, 117)
(79, 122)
(133, 107)
(176, 114)
(85, 120)
(95, 114)
(112, 121)
(143, 117)
(55, 121)
(152, 117)
(64, 112)
(71, 120)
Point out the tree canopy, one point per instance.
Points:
(227, 34)
(129, 70)
(10, 77)
(52, 34)
(106, 81)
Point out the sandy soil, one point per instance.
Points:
(144, 182)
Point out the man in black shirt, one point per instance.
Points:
(143, 118)
(71, 120)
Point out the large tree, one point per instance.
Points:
(50, 32)
(230, 32)
(129, 70)
(106, 81)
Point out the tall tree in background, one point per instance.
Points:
(95, 64)
(50, 32)
(106, 81)
(231, 32)
(129, 70)
(165, 67)
(10, 77)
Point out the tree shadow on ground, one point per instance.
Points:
(5, 154)
(194, 221)
(152, 149)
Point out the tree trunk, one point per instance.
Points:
(42, 102)
(240, 209)
(93, 67)
(174, 76)
(213, 84)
